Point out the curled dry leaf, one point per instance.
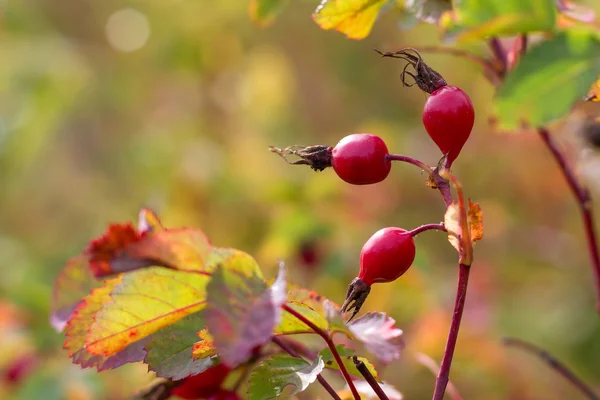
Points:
(474, 222)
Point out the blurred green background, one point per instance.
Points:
(110, 106)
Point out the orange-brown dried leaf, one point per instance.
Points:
(475, 219)
(594, 93)
(452, 224)
(205, 347)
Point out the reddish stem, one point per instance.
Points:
(364, 371)
(410, 160)
(427, 227)
(279, 342)
(499, 54)
(555, 365)
(331, 346)
(461, 294)
(584, 202)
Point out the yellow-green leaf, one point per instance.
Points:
(353, 18)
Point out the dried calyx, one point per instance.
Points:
(318, 157)
(357, 293)
(424, 76)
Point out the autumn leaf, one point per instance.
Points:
(205, 347)
(122, 248)
(594, 92)
(169, 351)
(474, 221)
(72, 285)
(353, 18)
(77, 330)
(270, 378)
(142, 302)
(242, 312)
(379, 334)
(148, 221)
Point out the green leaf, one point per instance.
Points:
(263, 12)
(270, 378)
(353, 18)
(346, 356)
(242, 312)
(169, 351)
(549, 79)
(478, 19)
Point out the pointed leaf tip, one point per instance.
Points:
(379, 335)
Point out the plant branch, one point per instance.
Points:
(427, 227)
(331, 346)
(584, 202)
(364, 371)
(499, 54)
(281, 343)
(435, 180)
(444, 374)
(555, 364)
(430, 364)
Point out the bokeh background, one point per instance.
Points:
(110, 106)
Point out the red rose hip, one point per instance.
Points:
(448, 117)
(225, 395)
(361, 159)
(387, 255)
(202, 385)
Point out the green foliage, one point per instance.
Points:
(270, 378)
(549, 79)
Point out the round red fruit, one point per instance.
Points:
(387, 255)
(448, 117)
(361, 159)
(202, 385)
(224, 395)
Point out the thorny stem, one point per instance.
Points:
(555, 364)
(439, 183)
(364, 371)
(465, 259)
(427, 227)
(331, 346)
(279, 342)
(461, 293)
(584, 202)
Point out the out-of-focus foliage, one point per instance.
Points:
(109, 106)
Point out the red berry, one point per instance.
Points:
(202, 385)
(360, 159)
(448, 117)
(386, 255)
(225, 395)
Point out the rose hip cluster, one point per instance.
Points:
(362, 159)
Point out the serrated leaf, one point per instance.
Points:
(169, 351)
(143, 302)
(379, 335)
(77, 330)
(270, 378)
(263, 12)
(122, 248)
(428, 11)
(353, 18)
(346, 355)
(478, 19)
(72, 285)
(474, 221)
(312, 306)
(242, 312)
(550, 78)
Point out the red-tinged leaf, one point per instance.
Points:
(142, 302)
(205, 348)
(148, 221)
(242, 311)
(170, 349)
(72, 285)
(353, 18)
(379, 335)
(124, 249)
(270, 378)
(77, 330)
